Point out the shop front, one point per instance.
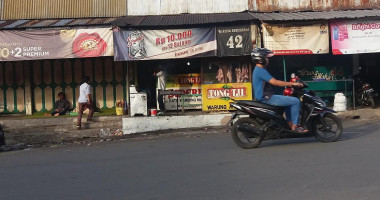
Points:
(303, 48)
(359, 38)
(38, 64)
(195, 61)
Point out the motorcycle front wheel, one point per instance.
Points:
(240, 138)
(371, 102)
(328, 128)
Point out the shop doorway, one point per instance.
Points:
(147, 82)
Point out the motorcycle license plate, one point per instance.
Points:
(369, 90)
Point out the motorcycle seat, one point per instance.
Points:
(277, 109)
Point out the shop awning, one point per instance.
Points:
(55, 23)
(182, 19)
(326, 15)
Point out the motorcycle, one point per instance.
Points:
(255, 121)
(365, 94)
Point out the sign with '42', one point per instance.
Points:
(234, 40)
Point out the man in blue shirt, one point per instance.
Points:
(262, 83)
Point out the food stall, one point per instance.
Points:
(223, 81)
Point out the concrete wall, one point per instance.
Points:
(145, 124)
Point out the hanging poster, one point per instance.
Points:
(164, 44)
(297, 38)
(355, 36)
(55, 44)
(217, 97)
(190, 85)
(234, 40)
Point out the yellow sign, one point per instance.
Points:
(183, 80)
(190, 85)
(217, 97)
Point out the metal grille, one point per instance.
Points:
(49, 77)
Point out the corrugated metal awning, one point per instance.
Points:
(55, 23)
(182, 19)
(326, 15)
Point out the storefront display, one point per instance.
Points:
(223, 81)
(190, 85)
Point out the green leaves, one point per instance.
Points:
(227, 86)
(225, 98)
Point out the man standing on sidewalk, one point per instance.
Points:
(161, 85)
(84, 101)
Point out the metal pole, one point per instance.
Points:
(127, 90)
(284, 64)
(353, 92)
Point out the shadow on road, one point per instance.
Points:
(351, 130)
(359, 129)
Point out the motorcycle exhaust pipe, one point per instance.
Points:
(249, 131)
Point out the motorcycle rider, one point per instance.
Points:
(262, 82)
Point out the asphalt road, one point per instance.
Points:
(199, 166)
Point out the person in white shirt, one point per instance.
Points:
(161, 86)
(84, 101)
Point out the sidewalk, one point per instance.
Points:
(19, 130)
(360, 114)
(58, 130)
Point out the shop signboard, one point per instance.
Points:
(55, 44)
(323, 73)
(164, 44)
(355, 36)
(190, 85)
(297, 38)
(217, 97)
(234, 40)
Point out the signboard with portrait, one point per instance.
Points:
(223, 81)
(164, 44)
(355, 36)
(55, 44)
(234, 40)
(190, 85)
(217, 97)
(226, 72)
(297, 38)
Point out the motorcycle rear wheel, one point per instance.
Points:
(329, 128)
(239, 137)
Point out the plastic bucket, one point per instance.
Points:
(119, 110)
(153, 112)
